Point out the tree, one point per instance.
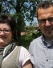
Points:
(22, 10)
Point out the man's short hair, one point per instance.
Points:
(44, 5)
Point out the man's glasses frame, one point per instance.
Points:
(50, 19)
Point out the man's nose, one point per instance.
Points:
(47, 23)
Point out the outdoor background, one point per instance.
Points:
(24, 12)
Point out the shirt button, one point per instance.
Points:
(46, 59)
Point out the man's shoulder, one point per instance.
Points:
(35, 42)
(36, 39)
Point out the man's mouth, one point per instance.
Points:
(48, 29)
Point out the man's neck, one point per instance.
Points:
(49, 39)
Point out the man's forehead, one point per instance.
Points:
(45, 9)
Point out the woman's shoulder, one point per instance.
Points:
(23, 50)
(24, 56)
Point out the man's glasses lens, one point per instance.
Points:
(50, 19)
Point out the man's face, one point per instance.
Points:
(45, 18)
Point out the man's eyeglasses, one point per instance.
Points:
(50, 19)
(5, 31)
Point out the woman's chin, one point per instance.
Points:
(2, 44)
(1, 41)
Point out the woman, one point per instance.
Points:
(11, 55)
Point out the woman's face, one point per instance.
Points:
(5, 34)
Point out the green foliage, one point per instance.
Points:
(31, 28)
(26, 39)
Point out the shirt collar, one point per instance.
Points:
(43, 40)
(46, 43)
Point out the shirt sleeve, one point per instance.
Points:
(31, 51)
(24, 56)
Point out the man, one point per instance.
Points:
(41, 48)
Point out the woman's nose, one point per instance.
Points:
(2, 32)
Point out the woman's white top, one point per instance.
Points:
(23, 57)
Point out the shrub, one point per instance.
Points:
(26, 39)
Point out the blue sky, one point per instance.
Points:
(34, 22)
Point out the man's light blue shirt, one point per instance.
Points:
(41, 53)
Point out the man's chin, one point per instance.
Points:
(49, 36)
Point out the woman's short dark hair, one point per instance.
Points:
(11, 22)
